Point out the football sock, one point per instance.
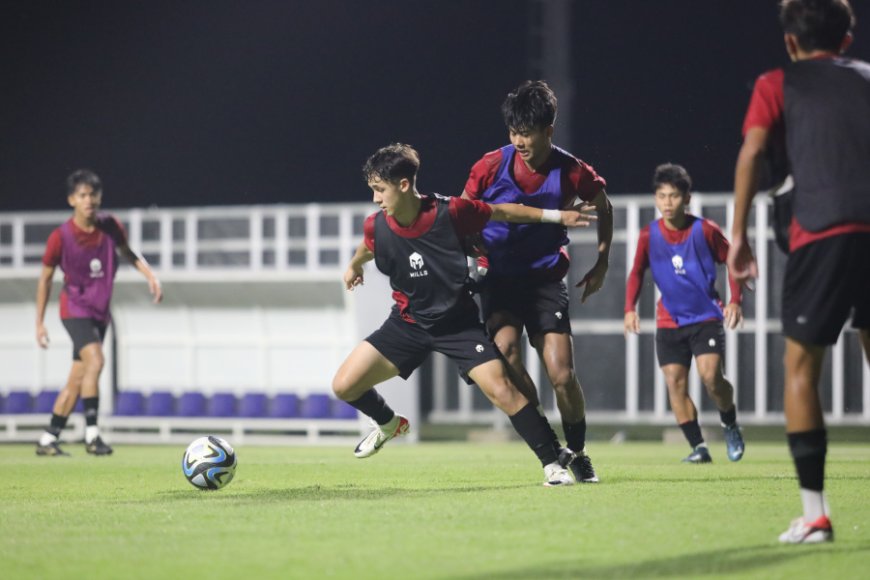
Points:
(809, 448)
(553, 436)
(814, 504)
(575, 435)
(527, 422)
(372, 404)
(692, 431)
(91, 433)
(729, 417)
(92, 407)
(52, 433)
(390, 426)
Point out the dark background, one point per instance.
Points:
(228, 102)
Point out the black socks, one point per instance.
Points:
(536, 432)
(373, 405)
(692, 431)
(809, 448)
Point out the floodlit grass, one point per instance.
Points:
(427, 511)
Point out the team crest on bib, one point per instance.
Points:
(96, 268)
(417, 266)
(677, 262)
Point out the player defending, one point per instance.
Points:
(417, 240)
(86, 248)
(822, 100)
(682, 251)
(526, 263)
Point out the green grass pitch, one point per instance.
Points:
(445, 510)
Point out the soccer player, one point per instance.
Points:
(418, 242)
(86, 247)
(822, 100)
(682, 251)
(526, 263)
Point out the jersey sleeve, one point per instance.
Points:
(469, 216)
(369, 233)
(53, 248)
(115, 230)
(483, 174)
(583, 183)
(634, 283)
(719, 247)
(766, 104)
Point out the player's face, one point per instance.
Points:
(85, 201)
(671, 202)
(532, 145)
(388, 195)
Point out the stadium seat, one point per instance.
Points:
(44, 402)
(130, 404)
(19, 402)
(160, 404)
(191, 405)
(80, 406)
(222, 405)
(253, 405)
(316, 407)
(341, 410)
(284, 406)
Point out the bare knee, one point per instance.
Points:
(564, 380)
(342, 386)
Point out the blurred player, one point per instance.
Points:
(526, 263)
(86, 248)
(822, 100)
(682, 251)
(417, 240)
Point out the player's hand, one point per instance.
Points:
(741, 262)
(631, 323)
(733, 315)
(41, 335)
(156, 289)
(474, 246)
(579, 216)
(353, 277)
(593, 281)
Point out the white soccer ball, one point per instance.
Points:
(209, 463)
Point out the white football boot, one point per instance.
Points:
(556, 475)
(373, 442)
(800, 532)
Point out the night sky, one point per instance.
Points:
(229, 102)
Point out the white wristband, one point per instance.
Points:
(551, 216)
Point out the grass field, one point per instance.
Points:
(446, 510)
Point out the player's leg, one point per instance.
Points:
(494, 380)
(93, 362)
(49, 441)
(675, 359)
(506, 331)
(708, 346)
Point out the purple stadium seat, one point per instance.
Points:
(222, 405)
(341, 410)
(45, 401)
(160, 404)
(253, 405)
(316, 407)
(130, 404)
(19, 402)
(80, 406)
(191, 405)
(284, 406)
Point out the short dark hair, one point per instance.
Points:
(83, 177)
(672, 174)
(817, 24)
(393, 163)
(531, 106)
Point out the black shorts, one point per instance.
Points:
(679, 345)
(540, 306)
(825, 281)
(406, 345)
(84, 331)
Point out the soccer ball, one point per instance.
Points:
(209, 463)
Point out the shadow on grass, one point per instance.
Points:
(620, 480)
(713, 562)
(320, 493)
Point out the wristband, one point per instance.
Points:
(551, 216)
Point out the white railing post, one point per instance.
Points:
(761, 307)
(191, 235)
(281, 248)
(632, 344)
(165, 241)
(17, 242)
(731, 354)
(838, 372)
(255, 238)
(312, 236)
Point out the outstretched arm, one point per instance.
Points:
(353, 277)
(741, 261)
(593, 281)
(142, 265)
(43, 291)
(578, 216)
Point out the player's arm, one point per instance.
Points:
(719, 246)
(750, 160)
(43, 292)
(634, 284)
(141, 264)
(593, 281)
(576, 217)
(354, 275)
